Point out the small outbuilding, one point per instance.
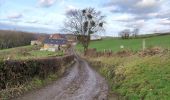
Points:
(36, 42)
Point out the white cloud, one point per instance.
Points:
(142, 9)
(32, 21)
(140, 23)
(136, 24)
(153, 14)
(15, 15)
(46, 3)
(164, 21)
(124, 18)
(70, 7)
(147, 3)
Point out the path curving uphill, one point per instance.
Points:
(81, 83)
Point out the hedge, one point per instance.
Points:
(16, 72)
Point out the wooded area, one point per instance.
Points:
(10, 39)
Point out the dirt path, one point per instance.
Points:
(81, 83)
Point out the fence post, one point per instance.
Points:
(143, 44)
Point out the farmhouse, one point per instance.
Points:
(71, 38)
(55, 44)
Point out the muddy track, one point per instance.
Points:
(81, 83)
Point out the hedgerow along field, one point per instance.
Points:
(131, 44)
(17, 75)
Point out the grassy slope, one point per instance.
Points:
(133, 44)
(137, 77)
(26, 52)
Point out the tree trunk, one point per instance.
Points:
(86, 45)
(85, 51)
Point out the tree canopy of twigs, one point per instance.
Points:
(125, 34)
(83, 23)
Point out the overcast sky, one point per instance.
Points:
(48, 15)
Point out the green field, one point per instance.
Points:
(27, 52)
(132, 44)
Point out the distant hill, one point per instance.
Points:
(140, 35)
(154, 34)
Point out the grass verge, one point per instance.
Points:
(135, 77)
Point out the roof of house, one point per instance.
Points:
(57, 36)
(42, 38)
(55, 41)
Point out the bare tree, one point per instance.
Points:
(125, 34)
(135, 32)
(83, 23)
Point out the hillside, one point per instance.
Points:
(10, 39)
(135, 76)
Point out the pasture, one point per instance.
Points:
(130, 44)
